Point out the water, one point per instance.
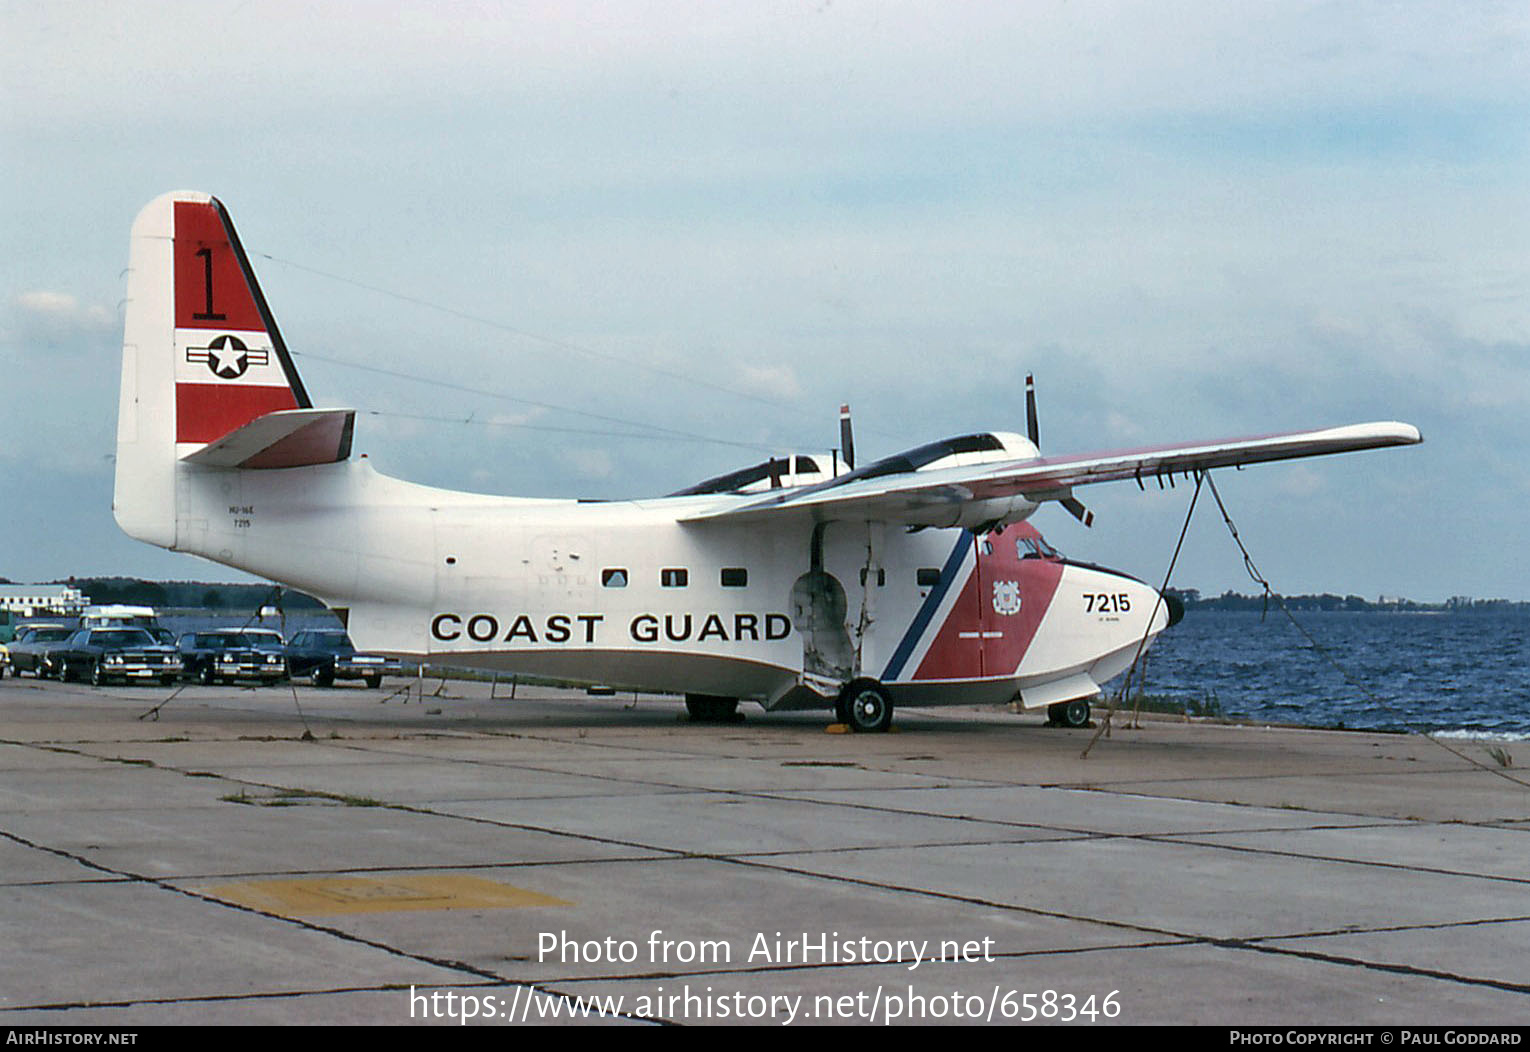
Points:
(1461, 673)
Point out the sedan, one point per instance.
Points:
(105, 654)
(325, 655)
(31, 646)
(234, 653)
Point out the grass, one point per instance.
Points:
(1207, 706)
(299, 797)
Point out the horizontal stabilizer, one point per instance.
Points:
(288, 438)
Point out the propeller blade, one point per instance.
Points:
(1077, 510)
(846, 437)
(1032, 430)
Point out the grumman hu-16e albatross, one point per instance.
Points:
(800, 583)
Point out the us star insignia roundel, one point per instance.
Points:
(227, 356)
(1006, 597)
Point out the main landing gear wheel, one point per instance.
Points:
(865, 706)
(1073, 713)
(711, 708)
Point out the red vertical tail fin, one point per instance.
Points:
(231, 365)
(201, 357)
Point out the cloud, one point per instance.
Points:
(514, 422)
(56, 320)
(779, 381)
(589, 463)
(1299, 482)
(1189, 218)
(50, 304)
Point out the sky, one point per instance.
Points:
(607, 250)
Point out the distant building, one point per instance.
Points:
(29, 600)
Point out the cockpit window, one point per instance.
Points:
(1035, 548)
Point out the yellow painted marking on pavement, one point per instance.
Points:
(321, 895)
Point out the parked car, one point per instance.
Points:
(327, 654)
(105, 654)
(31, 646)
(229, 654)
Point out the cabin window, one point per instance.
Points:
(674, 578)
(881, 576)
(614, 577)
(928, 577)
(735, 577)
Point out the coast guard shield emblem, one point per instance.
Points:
(1006, 597)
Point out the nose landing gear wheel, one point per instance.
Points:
(1073, 713)
(865, 706)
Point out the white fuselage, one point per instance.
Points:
(624, 593)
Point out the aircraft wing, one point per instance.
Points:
(1008, 490)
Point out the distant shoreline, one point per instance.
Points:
(1328, 601)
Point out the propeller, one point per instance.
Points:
(846, 437)
(1033, 432)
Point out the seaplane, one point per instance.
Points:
(803, 582)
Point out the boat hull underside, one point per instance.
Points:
(774, 687)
